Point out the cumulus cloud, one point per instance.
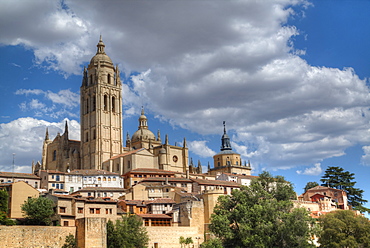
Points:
(313, 171)
(200, 148)
(24, 137)
(197, 64)
(365, 159)
(66, 100)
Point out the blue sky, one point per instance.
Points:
(289, 77)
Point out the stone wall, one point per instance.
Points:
(34, 236)
(92, 232)
(168, 236)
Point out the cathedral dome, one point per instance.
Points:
(143, 135)
(102, 58)
(101, 55)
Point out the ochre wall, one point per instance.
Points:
(34, 236)
(168, 237)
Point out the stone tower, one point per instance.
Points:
(101, 111)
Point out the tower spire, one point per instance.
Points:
(47, 134)
(100, 46)
(225, 140)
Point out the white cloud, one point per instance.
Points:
(313, 171)
(200, 148)
(201, 63)
(67, 101)
(24, 137)
(365, 159)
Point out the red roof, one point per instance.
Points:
(162, 201)
(125, 154)
(154, 216)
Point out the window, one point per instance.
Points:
(94, 134)
(89, 194)
(57, 178)
(61, 186)
(87, 136)
(104, 179)
(53, 185)
(87, 106)
(92, 210)
(36, 185)
(94, 103)
(113, 104)
(71, 189)
(105, 106)
(80, 210)
(99, 179)
(109, 179)
(98, 211)
(57, 185)
(65, 223)
(54, 155)
(128, 164)
(62, 210)
(108, 78)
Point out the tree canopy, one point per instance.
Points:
(262, 215)
(343, 228)
(310, 185)
(38, 211)
(336, 177)
(127, 233)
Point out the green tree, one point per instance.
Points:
(38, 211)
(336, 177)
(3, 207)
(188, 241)
(182, 241)
(4, 201)
(127, 233)
(310, 185)
(212, 243)
(262, 215)
(70, 242)
(344, 229)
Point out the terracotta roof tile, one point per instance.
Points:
(92, 172)
(162, 201)
(216, 182)
(154, 216)
(126, 154)
(18, 175)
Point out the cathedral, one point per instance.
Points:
(101, 144)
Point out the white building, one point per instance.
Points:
(79, 179)
(236, 178)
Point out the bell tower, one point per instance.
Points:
(101, 111)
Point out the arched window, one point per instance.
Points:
(91, 79)
(105, 102)
(113, 104)
(87, 105)
(93, 103)
(54, 155)
(87, 136)
(108, 78)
